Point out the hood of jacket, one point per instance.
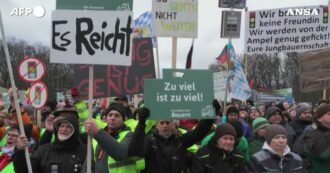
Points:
(267, 147)
(74, 140)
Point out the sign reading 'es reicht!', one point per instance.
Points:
(91, 37)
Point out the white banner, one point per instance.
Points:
(293, 29)
(91, 37)
(219, 82)
(175, 18)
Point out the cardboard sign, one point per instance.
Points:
(294, 29)
(188, 96)
(91, 37)
(119, 80)
(95, 5)
(232, 3)
(31, 69)
(175, 18)
(38, 95)
(231, 24)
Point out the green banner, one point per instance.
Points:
(95, 5)
(181, 94)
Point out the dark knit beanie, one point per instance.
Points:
(118, 107)
(273, 130)
(322, 110)
(223, 129)
(271, 110)
(232, 109)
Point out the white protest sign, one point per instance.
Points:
(219, 82)
(91, 37)
(175, 18)
(38, 95)
(31, 69)
(293, 29)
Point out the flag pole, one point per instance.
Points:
(90, 112)
(224, 116)
(12, 81)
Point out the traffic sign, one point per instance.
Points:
(31, 69)
(38, 94)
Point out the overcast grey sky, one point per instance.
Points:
(208, 45)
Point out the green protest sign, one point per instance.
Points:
(95, 4)
(188, 96)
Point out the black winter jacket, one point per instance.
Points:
(210, 159)
(166, 155)
(67, 156)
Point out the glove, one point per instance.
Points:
(216, 106)
(143, 113)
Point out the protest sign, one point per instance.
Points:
(220, 79)
(119, 80)
(313, 84)
(232, 3)
(188, 96)
(175, 18)
(91, 37)
(38, 94)
(315, 64)
(269, 95)
(231, 24)
(31, 69)
(293, 29)
(94, 5)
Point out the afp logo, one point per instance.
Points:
(38, 11)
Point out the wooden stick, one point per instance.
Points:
(174, 51)
(12, 81)
(157, 59)
(90, 112)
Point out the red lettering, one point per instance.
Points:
(135, 88)
(83, 88)
(144, 56)
(115, 86)
(96, 87)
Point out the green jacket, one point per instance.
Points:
(256, 145)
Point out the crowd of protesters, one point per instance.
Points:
(268, 137)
